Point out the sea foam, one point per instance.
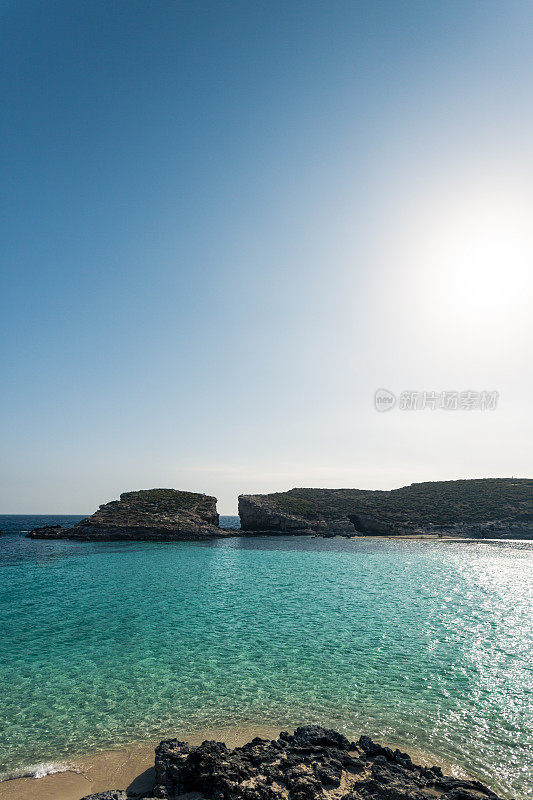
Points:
(37, 771)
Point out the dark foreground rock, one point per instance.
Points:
(149, 514)
(107, 796)
(481, 508)
(312, 764)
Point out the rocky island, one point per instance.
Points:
(311, 764)
(149, 514)
(484, 508)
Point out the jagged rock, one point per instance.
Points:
(153, 514)
(114, 795)
(484, 508)
(311, 764)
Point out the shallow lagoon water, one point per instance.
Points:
(424, 644)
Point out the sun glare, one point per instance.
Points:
(475, 262)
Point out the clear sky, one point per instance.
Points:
(226, 224)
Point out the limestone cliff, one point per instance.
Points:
(487, 508)
(152, 514)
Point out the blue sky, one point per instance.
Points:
(227, 224)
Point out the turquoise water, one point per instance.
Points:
(420, 643)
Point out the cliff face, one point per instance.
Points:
(153, 514)
(261, 513)
(488, 508)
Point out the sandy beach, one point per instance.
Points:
(127, 767)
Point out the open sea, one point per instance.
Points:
(428, 645)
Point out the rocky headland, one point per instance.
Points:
(149, 514)
(489, 508)
(311, 764)
(484, 508)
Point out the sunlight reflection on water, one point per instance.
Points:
(423, 644)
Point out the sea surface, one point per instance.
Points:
(428, 645)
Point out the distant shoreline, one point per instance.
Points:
(487, 508)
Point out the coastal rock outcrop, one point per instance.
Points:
(499, 508)
(149, 514)
(107, 796)
(313, 763)
(47, 532)
(484, 508)
(256, 516)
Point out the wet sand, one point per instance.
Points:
(127, 767)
